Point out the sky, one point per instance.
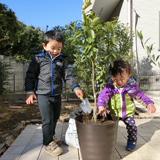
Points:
(40, 13)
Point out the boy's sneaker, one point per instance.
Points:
(56, 140)
(53, 149)
(130, 146)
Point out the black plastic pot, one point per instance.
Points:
(97, 141)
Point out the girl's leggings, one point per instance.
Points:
(131, 128)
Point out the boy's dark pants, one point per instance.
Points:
(50, 108)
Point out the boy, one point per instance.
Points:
(44, 77)
(119, 92)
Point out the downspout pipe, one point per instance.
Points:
(130, 14)
(159, 31)
(135, 17)
(130, 21)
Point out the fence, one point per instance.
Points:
(151, 83)
(17, 80)
(16, 88)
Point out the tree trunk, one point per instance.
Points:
(94, 95)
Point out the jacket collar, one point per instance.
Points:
(130, 82)
(49, 55)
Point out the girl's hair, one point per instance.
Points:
(119, 66)
(52, 35)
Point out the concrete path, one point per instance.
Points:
(28, 145)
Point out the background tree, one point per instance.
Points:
(16, 39)
(29, 41)
(9, 28)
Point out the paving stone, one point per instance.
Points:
(36, 121)
(132, 156)
(148, 152)
(70, 152)
(3, 115)
(18, 149)
(15, 107)
(45, 156)
(10, 157)
(68, 106)
(31, 152)
(147, 145)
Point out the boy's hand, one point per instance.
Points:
(78, 92)
(30, 98)
(102, 111)
(151, 108)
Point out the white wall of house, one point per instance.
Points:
(148, 23)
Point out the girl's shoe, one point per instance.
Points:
(56, 140)
(130, 146)
(53, 149)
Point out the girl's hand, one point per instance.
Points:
(30, 98)
(151, 108)
(102, 111)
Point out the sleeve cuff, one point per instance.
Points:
(150, 104)
(30, 92)
(75, 89)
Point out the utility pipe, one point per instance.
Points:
(135, 20)
(130, 24)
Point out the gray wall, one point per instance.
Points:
(17, 74)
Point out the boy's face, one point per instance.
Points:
(121, 79)
(54, 47)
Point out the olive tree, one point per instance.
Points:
(100, 44)
(149, 48)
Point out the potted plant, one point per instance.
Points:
(100, 44)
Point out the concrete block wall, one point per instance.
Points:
(17, 73)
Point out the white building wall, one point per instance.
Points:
(148, 23)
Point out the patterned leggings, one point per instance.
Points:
(131, 128)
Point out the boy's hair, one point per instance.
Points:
(119, 66)
(52, 35)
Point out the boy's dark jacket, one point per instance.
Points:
(44, 75)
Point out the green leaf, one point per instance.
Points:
(153, 57)
(94, 49)
(107, 41)
(91, 33)
(113, 39)
(112, 64)
(83, 41)
(98, 77)
(89, 39)
(91, 96)
(157, 57)
(153, 62)
(114, 55)
(147, 41)
(95, 20)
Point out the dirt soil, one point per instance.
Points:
(87, 118)
(14, 113)
(25, 112)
